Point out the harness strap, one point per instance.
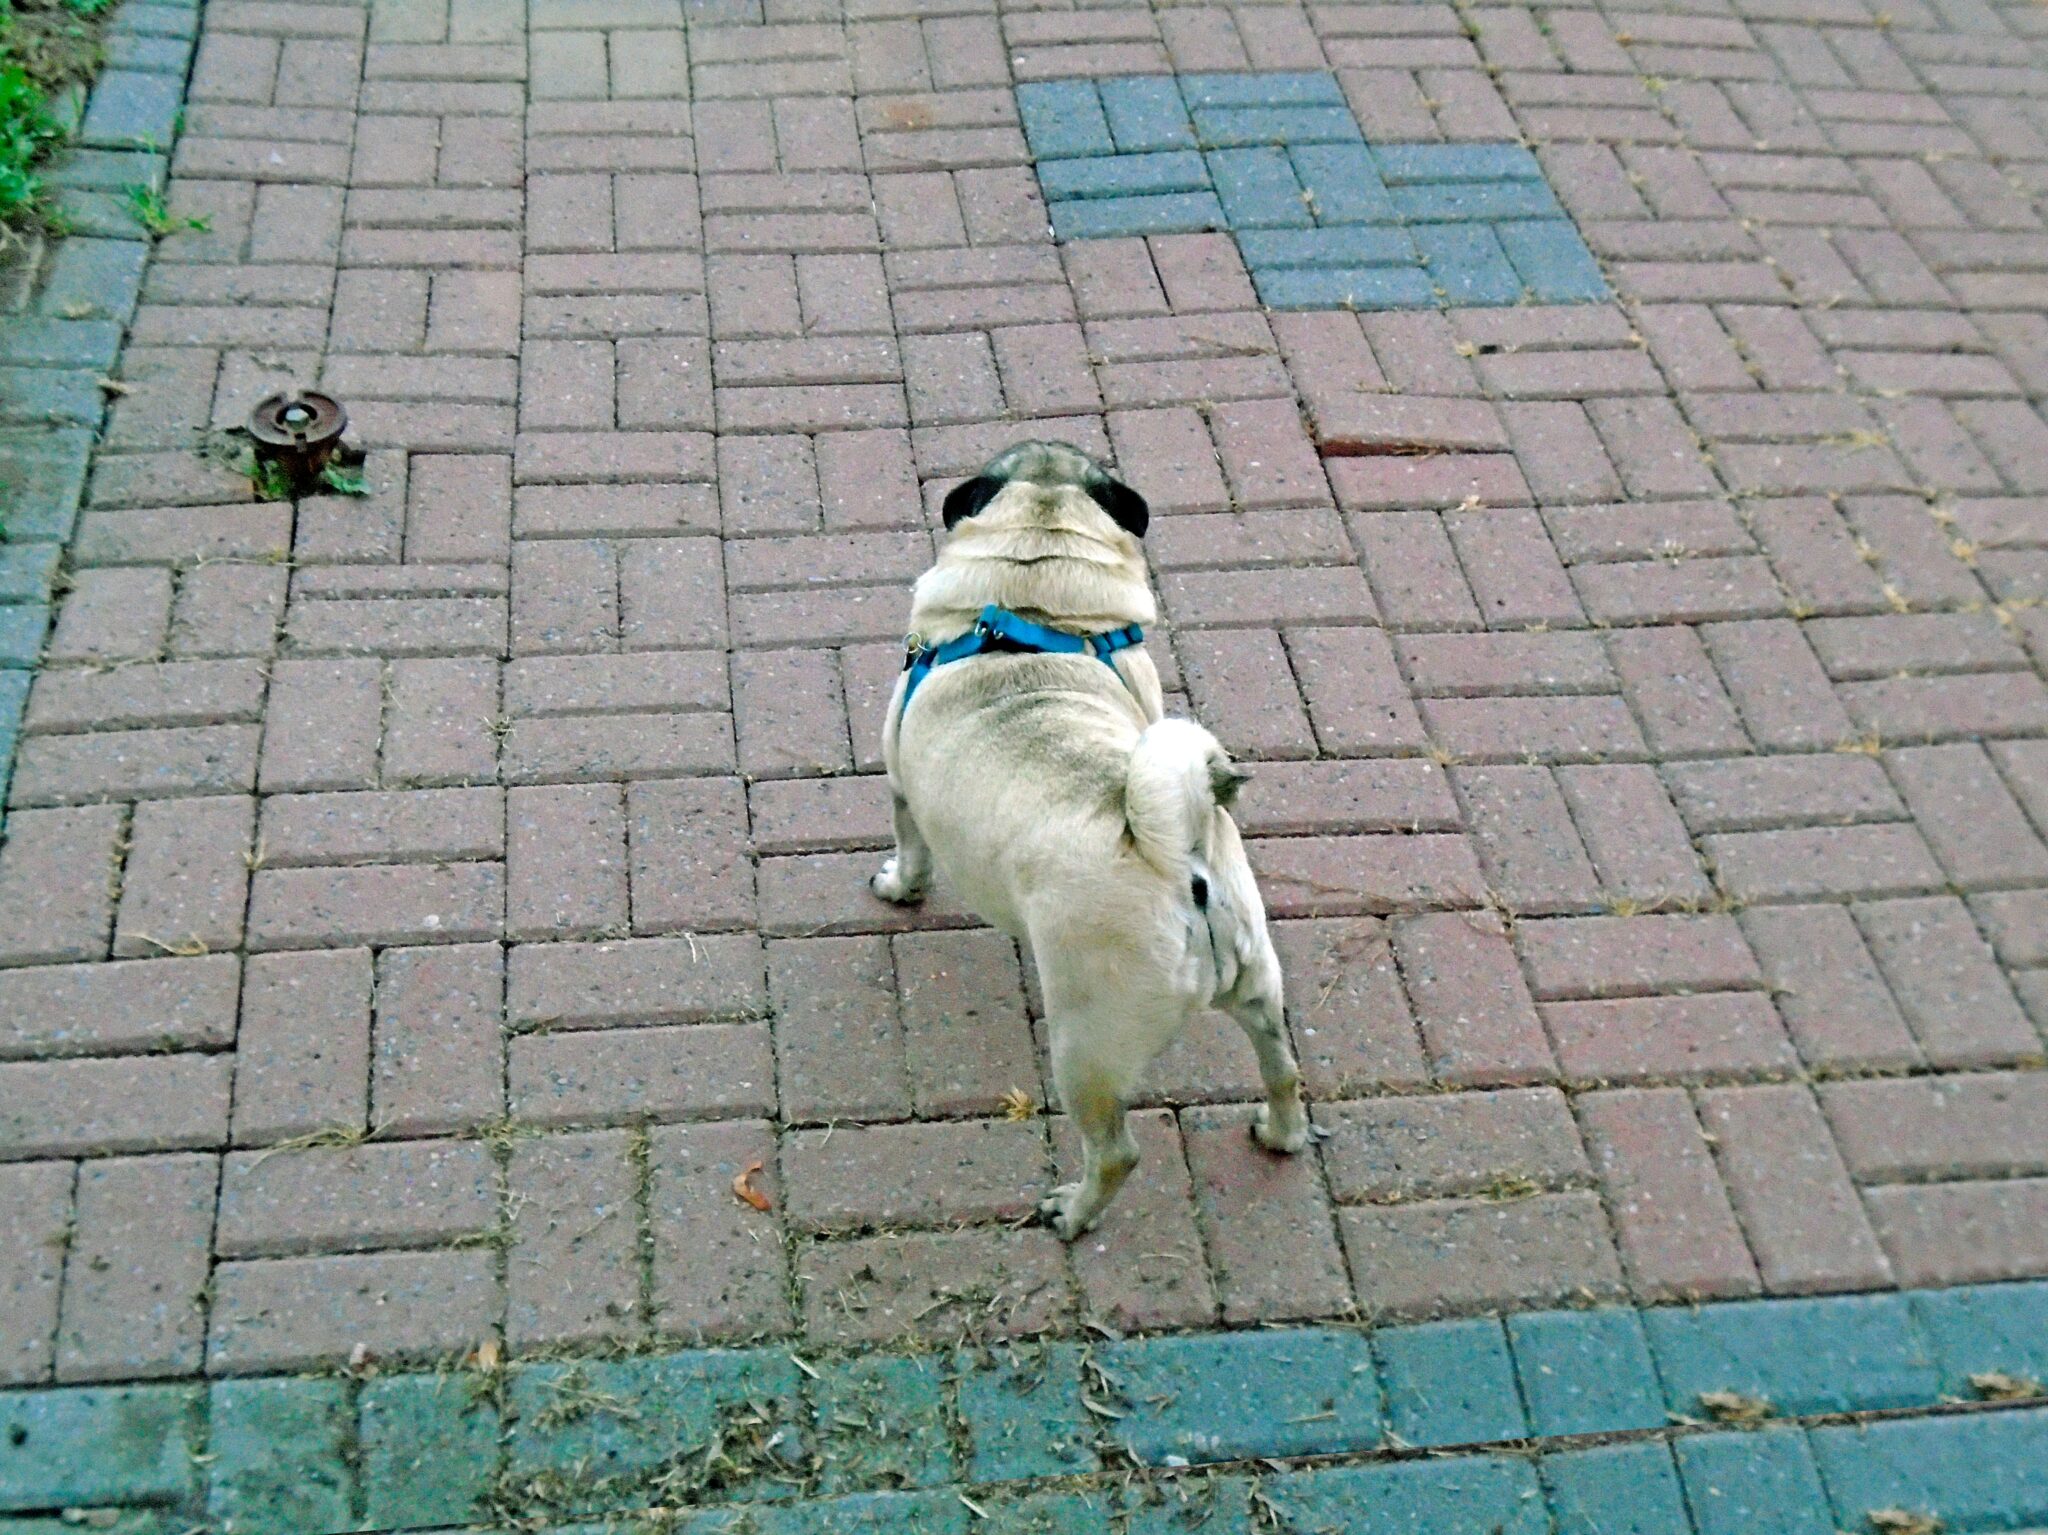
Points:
(1000, 630)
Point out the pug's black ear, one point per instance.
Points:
(1126, 508)
(968, 498)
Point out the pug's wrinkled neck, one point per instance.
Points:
(1047, 553)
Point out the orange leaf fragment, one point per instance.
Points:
(743, 1187)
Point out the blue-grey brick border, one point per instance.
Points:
(54, 355)
(1562, 1422)
(1323, 218)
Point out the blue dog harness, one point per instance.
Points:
(1000, 630)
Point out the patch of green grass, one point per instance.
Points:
(46, 48)
(55, 43)
(26, 129)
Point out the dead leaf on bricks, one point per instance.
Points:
(1900, 1521)
(1018, 1105)
(743, 1187)
(1733, 1407)
(908, 114)
(1997, 1386)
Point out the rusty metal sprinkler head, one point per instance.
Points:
(298, 431)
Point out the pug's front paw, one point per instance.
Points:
(893, 886)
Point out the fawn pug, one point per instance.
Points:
(1029, 757)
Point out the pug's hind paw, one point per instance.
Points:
(1060, 1209)
(1287, 1136)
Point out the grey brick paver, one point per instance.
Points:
(1646, 692)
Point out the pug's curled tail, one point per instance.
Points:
(1179, 776)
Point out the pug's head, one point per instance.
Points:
(1053, 467)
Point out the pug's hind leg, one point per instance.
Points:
(1281, 1123)
(1086, 1067)
(904, 878)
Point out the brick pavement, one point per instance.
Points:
(416, 909)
